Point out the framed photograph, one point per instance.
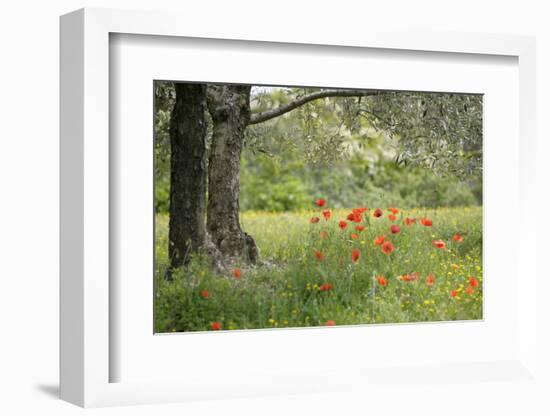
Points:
(247, 215)
(260, 216)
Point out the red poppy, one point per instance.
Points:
(379, 240)
(439, 243)
(393, 210)
(215, 326)
(330, 322)
(319, 255)
(454, 293)
(387, 247)
(359, 210)
(320, 202)
(323, 234)
(314, 220)
(392, 217)
(458, 238)
(411, 277)
(237, 273)
(410, 221)
(205, 294)
(473, 281)
(354, 236)
(382, 281)
(355, 216)
(395, 229)
(327, 214)
(377, 213)
(325, 287)
(359, 228)
(430, 280)
(342, 224)
(355, 254)
(426, 222)
(469, 290)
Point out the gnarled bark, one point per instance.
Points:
(187, 173)
(229, 106)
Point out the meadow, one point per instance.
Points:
(324, 267)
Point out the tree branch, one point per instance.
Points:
(276, 112)
(389, 124)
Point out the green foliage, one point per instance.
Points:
(343, 148)
(288, 196)
(409, 188)
(162, 193)
(370, 177)
(285, 290)
(439, 131)
(269, 185)
(405, 148)
(164, 101)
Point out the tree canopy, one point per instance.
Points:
(439, 131)
(368, 138)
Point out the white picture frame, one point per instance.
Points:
(86, 356)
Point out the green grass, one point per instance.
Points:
(285, 290)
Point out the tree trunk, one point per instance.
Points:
(187, 173)
(229, 106)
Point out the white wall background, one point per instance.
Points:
(29, 184)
